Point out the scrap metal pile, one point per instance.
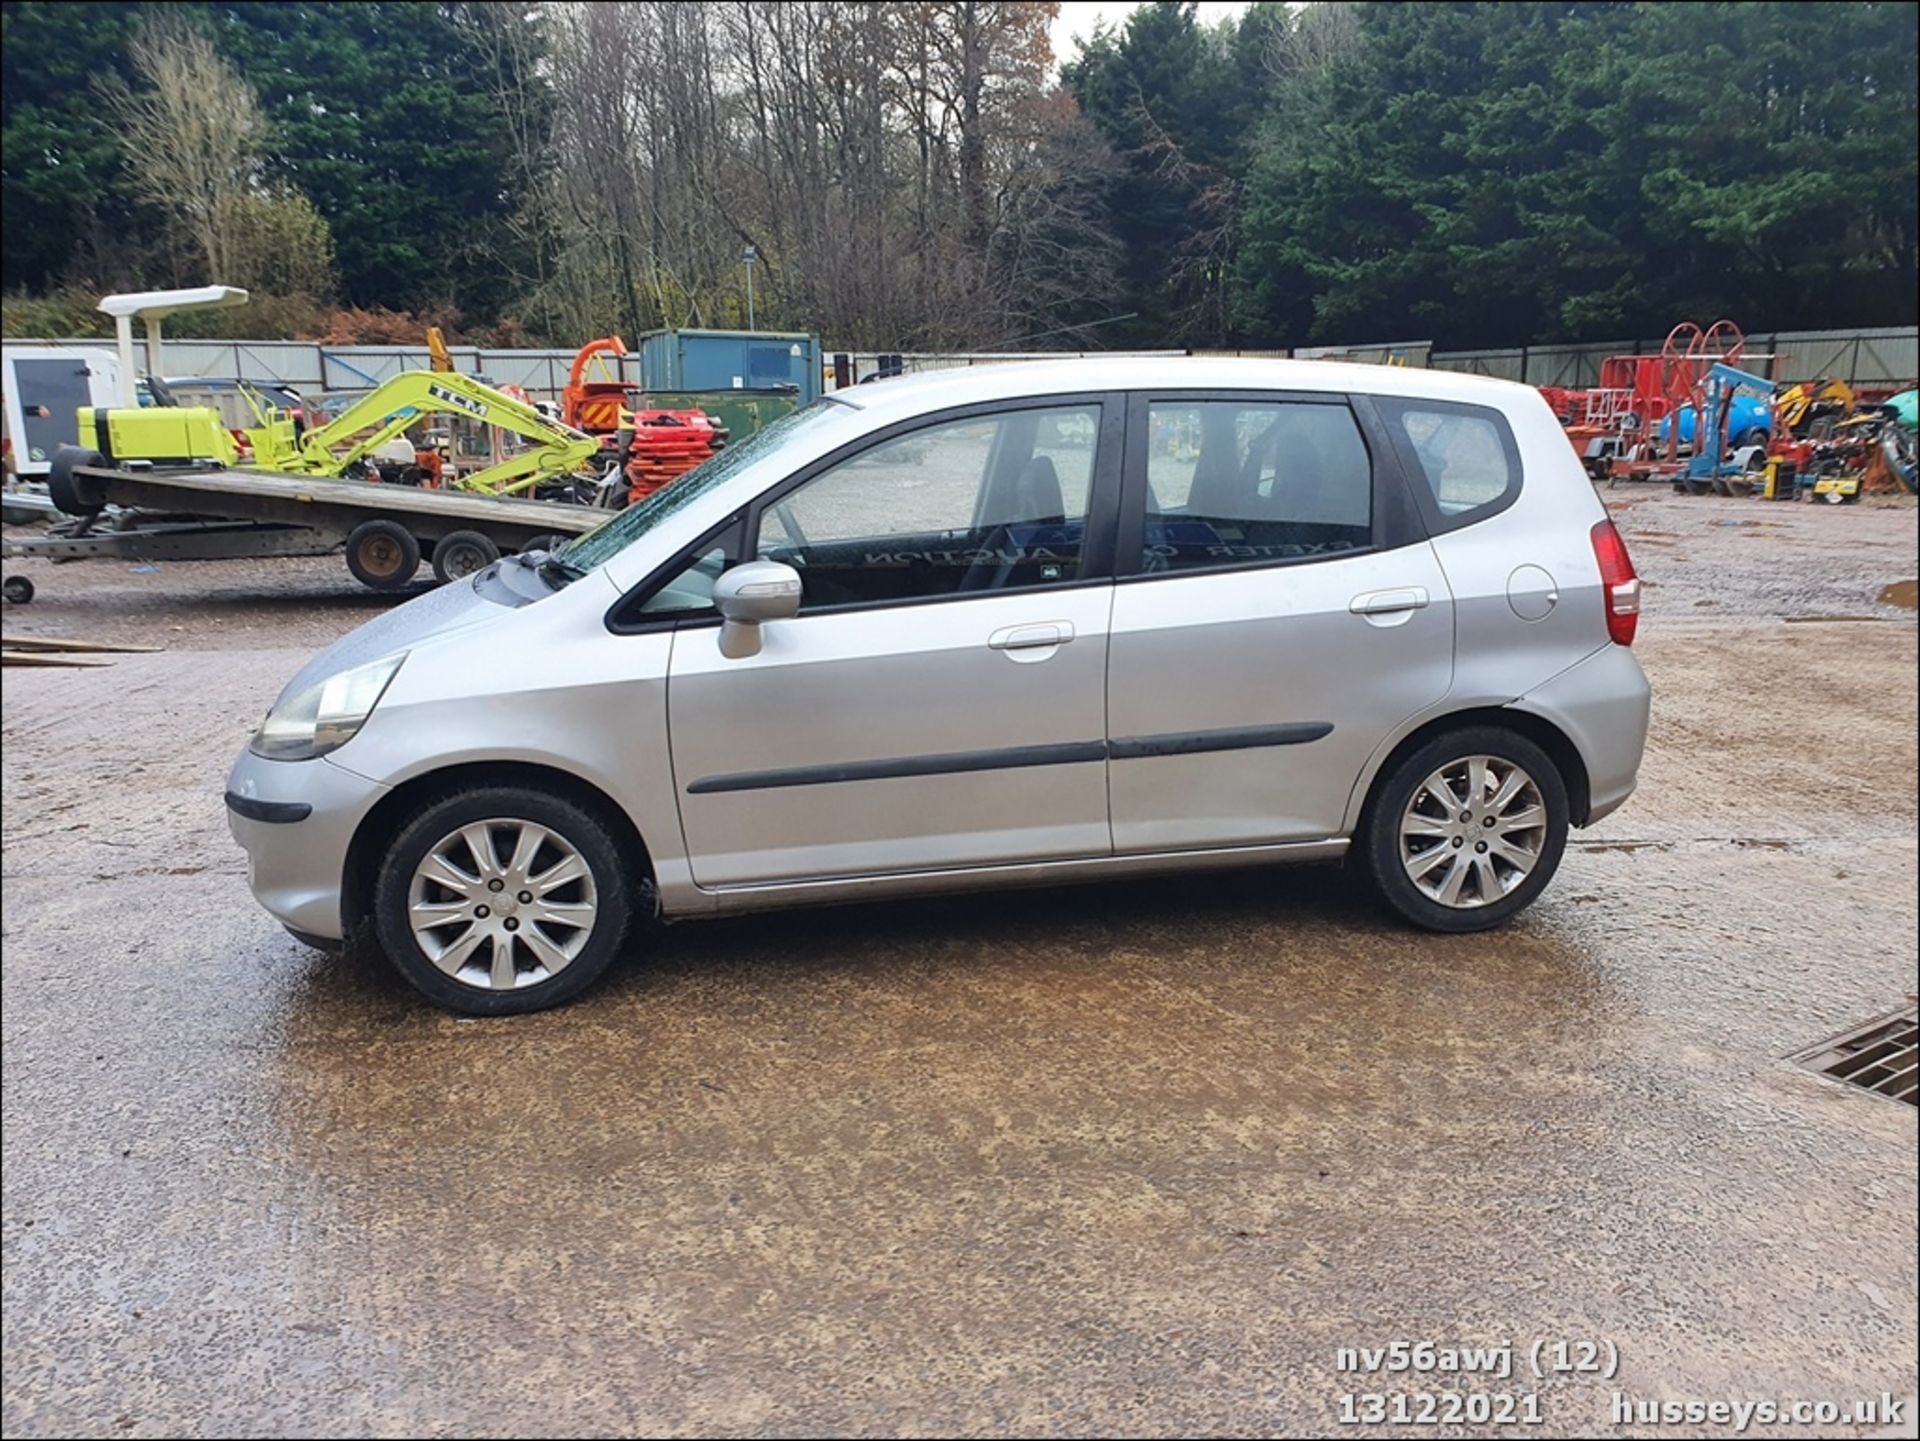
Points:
(1697, 416)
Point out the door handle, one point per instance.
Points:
(1386, 602)
(1031, 637)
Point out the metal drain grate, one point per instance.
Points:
(1880, 1056)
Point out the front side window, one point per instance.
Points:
(1233, 482)
(988, 503)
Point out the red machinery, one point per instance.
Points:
(1616, 427)
(659, 445)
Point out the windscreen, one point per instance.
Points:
(600, 545)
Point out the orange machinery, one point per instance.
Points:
(659, 445)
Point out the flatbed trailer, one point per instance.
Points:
(385, 530)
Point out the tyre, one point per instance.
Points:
(75, 494)
(1466, 830)
(382, 554)
(503, 900)
(18, 589)
(545, 542)
(461, 554)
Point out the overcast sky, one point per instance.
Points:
(1078, 17)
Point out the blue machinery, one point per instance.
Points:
(1710, 420)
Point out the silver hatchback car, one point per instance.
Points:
(1023, 624)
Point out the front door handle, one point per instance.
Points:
(1031, 637)
(1386, 602)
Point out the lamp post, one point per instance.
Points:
(747, 257)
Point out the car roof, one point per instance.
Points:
(916, 394)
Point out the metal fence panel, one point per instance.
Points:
(1888, 359)
(1812, 353)
(1414, 353)
(867, 362)
(190, 357)
(1503, 364)
(1883, 358)
(1877, 358)
(531, 370)
(294, 365)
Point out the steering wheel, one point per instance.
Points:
(991, 569)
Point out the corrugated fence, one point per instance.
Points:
(1872, 358)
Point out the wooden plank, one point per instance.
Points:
(57, 643)
(48, 658)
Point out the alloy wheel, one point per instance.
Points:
(502, 904)
(1473, 831)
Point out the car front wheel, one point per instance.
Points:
(503, 900)
(1466, 830)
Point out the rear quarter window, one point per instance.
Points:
(1462, 459)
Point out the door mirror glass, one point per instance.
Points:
(750, 595)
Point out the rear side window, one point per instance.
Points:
(1246, 482)
(1465, 454)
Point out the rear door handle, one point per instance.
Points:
(1031, 637)
(1386, 602)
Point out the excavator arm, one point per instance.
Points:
(383, 413)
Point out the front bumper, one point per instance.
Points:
(295, 820)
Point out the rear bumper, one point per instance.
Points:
(1601, 705)
(295, 820)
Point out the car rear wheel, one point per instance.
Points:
(503, 900)
(1466, 830)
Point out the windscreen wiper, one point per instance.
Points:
(557, 572)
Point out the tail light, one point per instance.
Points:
(1619, 582)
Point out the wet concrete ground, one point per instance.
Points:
(1118, 1159)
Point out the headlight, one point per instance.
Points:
(326, 716)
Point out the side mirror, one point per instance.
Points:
(749, 595)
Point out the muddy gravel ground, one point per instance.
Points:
(1126, 1159)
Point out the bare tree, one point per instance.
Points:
(193, 135)
(898, 168)
(1312, 39)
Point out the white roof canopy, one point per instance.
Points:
(158, 304)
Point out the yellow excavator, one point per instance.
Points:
(165, 434)
(280, 441)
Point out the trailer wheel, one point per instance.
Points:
(457, 556)
(545, 542)
(382, 555)
(17, 588)
(74, 494)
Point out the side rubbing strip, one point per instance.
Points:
(1193, 743)
(1182, 743)
(938, 765)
